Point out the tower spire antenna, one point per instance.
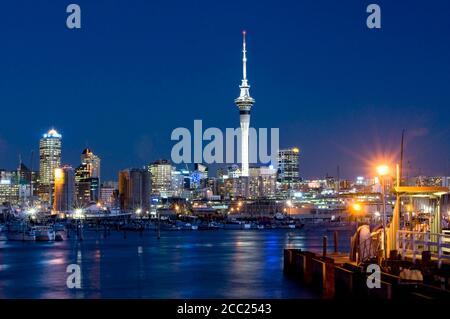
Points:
(244, 59)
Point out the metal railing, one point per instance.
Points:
(370, 248)
(414, 243)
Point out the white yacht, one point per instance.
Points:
(44, 233)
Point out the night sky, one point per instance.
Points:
(138, 69)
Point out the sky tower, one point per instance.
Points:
(245, 103)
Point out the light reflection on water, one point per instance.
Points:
(191, 264)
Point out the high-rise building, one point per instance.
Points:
(87, 191)
(64, 196)
(87, 184)
(288, 169)
(161, 174)
(177, 186)
(49, 156)
(134, 189)
(92, 163)
(9, 188)
(244, 103)
(262, 182)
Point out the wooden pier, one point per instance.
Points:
(335, 276)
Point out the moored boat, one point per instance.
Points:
(27, 235)
(44, 233)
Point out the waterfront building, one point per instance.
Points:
(244, 102)
(161, 175)
(108, 191)
(134, 189)
(64, 183)
(49, 161)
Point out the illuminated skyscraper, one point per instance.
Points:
(49, 156)
(161, 173)
(288, 169)
(92, 162)
(87, 179)
(245, 103)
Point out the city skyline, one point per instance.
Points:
(339, 109)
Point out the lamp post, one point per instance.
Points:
(383, 170)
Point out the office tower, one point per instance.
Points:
(87, 191)
(161, 174)
(49, 156)
(92, 163)
(288, 169)
(64, 195)
(9, 188)
(244, 103)
(177, 186)
(87, 179)
(134, 189)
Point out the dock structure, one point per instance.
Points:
(416, 263)
(411, 239)
(336, 276)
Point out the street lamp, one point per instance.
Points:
(382, 171)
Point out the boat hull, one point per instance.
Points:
(21, 236)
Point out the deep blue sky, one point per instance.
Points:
(138, 69)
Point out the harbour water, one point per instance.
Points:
(181, 264)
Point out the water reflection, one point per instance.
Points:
(219, 264)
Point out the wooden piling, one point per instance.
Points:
(335, 238)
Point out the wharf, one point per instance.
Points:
(336, 276)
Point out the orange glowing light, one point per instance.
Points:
(357, 207)
(59, 175)
(382, 170)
